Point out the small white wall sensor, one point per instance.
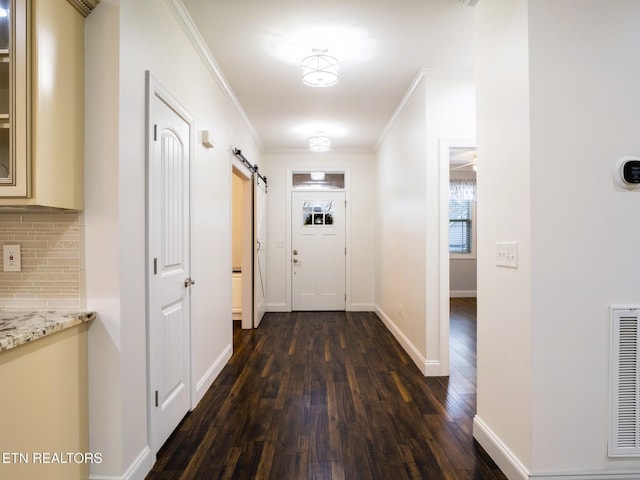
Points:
(206, 141)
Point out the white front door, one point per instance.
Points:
(318, 250)
(169, 264)
(260, 250)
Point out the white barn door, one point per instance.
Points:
(260, 250)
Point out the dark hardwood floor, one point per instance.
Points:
(332, 396)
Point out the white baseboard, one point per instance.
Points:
(211, 374)
(602, 475)
(277, 307)
(360, 307)
(498, 451)
(409, 347)
(463, 293)
(138, 470)
(515, 470)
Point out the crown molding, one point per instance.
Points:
(403, 103)
(193, 34)
(85, 7)
(423, 74)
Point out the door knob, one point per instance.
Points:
(295, 260)
(188, 282)
(295, 252)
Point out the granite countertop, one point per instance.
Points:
(18, 328)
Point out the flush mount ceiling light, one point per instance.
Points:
(319, 144)
(319, 69)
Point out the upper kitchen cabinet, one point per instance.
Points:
(42, 103)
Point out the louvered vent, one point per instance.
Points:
(625, 408)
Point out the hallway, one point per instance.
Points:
(332, 395)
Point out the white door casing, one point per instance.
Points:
(318, 250)
(260, 249)
(169, 284)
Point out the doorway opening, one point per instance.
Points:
(462, 267)
(318, 224)
(242, 247)
(458, 226)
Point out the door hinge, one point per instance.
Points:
(345, 250)
(155, 133)
(156, 398)
(155, 266)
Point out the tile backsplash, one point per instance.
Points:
(50, 248)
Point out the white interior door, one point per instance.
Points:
(260, 250)
(318, 250)
(169, 264)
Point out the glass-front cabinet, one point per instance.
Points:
(42, 103)
(14, 106)
(6, 166)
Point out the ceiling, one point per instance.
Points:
(381, 45)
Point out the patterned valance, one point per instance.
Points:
(460, 190)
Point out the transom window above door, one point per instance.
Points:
(318, 181)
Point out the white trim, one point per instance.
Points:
(463, 293)
(498, 451)
(193, 35)
(602, 475)
(211, 374)
(403, 103)
(409, 347)
(361, 307)
(138, 470)
(422, 73)
(278, 307)
(243, 171)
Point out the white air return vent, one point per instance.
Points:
(624, 438)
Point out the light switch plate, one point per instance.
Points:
(12, 258)
(507, 254)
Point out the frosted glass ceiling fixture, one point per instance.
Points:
(319, 144)
(319, 69)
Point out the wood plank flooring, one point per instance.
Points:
(315, 395)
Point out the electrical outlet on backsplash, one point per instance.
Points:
(50, 255)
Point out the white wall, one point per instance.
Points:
(504, 303)
(401, 227)
(557, 106)
(438, 106)
(150, 38)
(361, 167)
(581, 121)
